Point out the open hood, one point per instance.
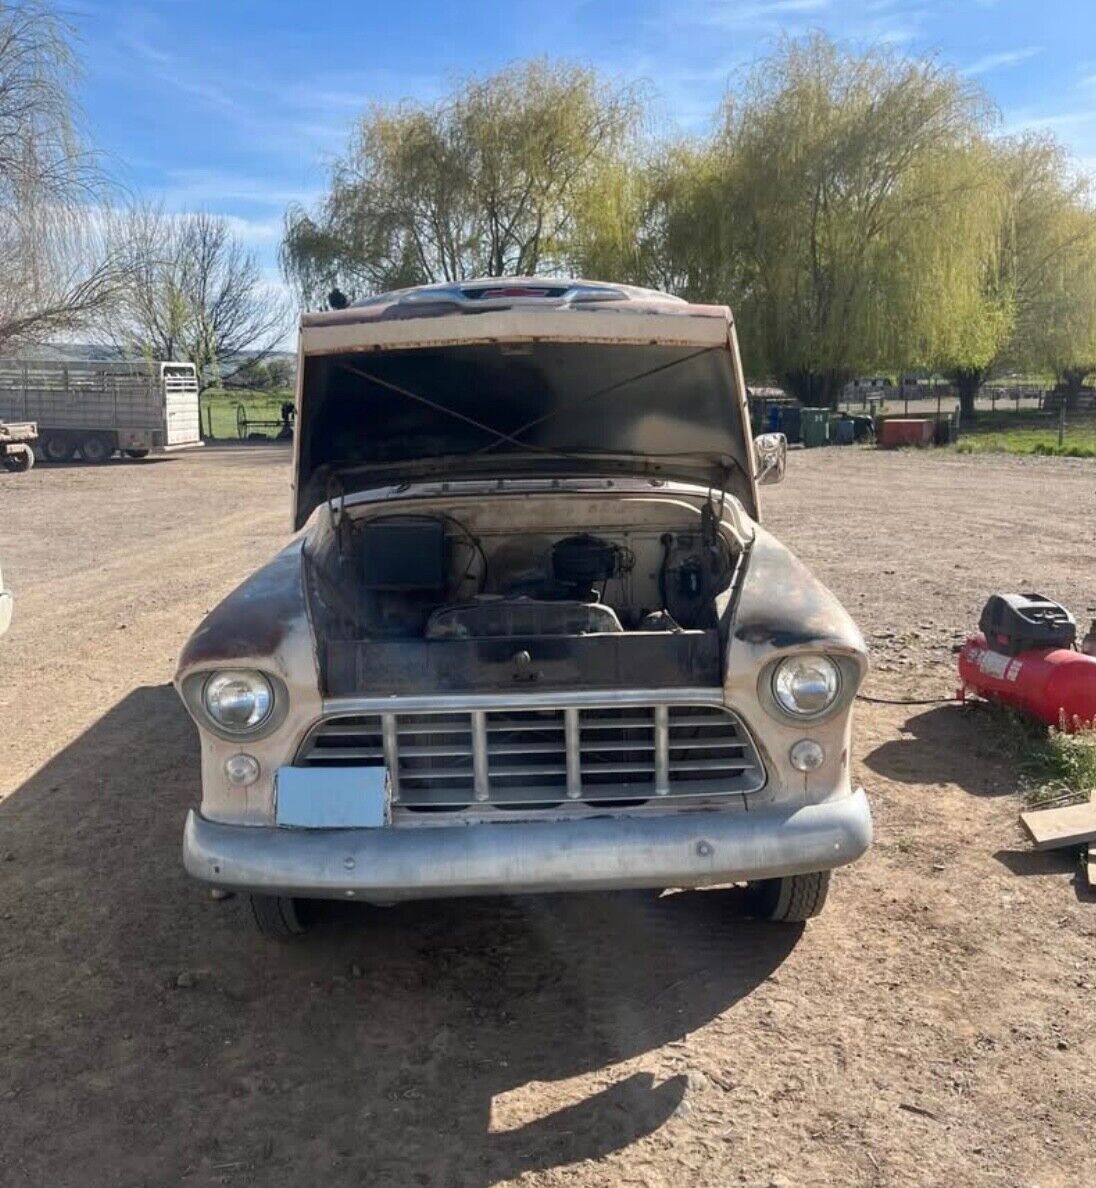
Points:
(534, 379)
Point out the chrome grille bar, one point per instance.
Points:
(662, 750)
(543, 755)
(480, 779)
(573, 735)
(391, 753)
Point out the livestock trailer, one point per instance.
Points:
(100, 408)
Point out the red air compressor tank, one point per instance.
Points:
(1055, 685)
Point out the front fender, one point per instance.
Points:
(781, 609)
(263, 624)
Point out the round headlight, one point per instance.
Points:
(806, 686)
(238, 701)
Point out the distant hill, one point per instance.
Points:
(92, 352)
(69, 352)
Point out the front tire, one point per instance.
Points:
(791, 899)
(136, 453)
(277, 916)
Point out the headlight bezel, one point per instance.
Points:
(194, 687)
(259, 687)
(847, 674)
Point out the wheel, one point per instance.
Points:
(277, 916)
(58, 447)
(136, 453)
(241, 422)
(790, 899)
(96, 448)
(19, 459)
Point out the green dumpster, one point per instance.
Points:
(815, 426)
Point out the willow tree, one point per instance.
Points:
(1061, 316)
(656, 219)
(834, 197)
(485, 183)
(1049, 238)
(56, 269)
(1023, 269)
(957, 279)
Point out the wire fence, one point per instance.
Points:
(1013, 419)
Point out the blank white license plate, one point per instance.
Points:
(332, 797)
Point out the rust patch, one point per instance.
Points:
(254, 619)
(783, 605)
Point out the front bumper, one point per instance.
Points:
(676, 850)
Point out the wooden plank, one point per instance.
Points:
(1051, 829)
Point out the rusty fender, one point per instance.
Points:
(781, 605)
(782, 610)
(263, 625)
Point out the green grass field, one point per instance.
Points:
(1029, 432)
(219, 411)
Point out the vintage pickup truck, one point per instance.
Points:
(532, 636)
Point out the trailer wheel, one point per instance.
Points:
(791, 899)
(58, 447)
(278, 916)
(19, 459)
(136, 453)
(96, 448)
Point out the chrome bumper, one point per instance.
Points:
(676, 850)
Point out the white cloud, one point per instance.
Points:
(1000, 61)
(188, 188)
(254, 232)
(1054, 122)
(735, 15)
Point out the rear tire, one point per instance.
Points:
(136, 453)
(96, 448)
(791, 899)
(19, 459)
(277, 916)
(58, 447)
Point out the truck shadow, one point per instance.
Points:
(150, 1034)
(950, 745)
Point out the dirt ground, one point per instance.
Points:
(936, 1026)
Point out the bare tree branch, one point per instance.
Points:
(194, 293)
(58, 271)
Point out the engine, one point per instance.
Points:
(435, 601)
(428, 576)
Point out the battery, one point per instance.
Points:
(402, 553)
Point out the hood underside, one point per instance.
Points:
(377, 409)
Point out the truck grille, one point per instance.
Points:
(538, 758)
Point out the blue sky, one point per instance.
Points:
(238, 106)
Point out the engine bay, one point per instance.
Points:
(429, 577)
(548, 591)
